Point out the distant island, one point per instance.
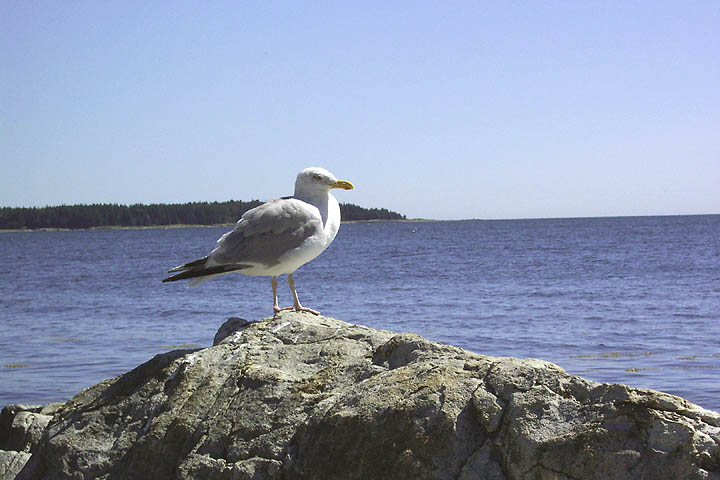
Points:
(139, 215)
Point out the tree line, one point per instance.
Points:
(139, 215)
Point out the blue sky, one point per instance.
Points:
(441, 110)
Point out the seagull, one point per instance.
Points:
(277, 237)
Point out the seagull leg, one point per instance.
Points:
(276, 307)
(296, 303)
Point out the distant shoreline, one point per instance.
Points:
(79, 217)
(149, 227)
(376, 220)
(397, 220)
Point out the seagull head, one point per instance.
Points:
(316, 180)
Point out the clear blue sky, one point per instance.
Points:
(434, 109)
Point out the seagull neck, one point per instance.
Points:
(318, 199)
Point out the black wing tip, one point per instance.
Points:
(189, 270)
(175, 278)
(200, 262)
(216, 270)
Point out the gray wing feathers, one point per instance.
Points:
(266, 232)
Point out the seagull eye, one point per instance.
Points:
(317, 177)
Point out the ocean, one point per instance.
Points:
(633, 300)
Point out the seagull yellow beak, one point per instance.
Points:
(345, 185)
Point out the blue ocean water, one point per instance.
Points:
(631, 300)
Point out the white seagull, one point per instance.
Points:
(277, 237)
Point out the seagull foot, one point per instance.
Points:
(277, 310)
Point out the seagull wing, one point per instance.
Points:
(265, 233)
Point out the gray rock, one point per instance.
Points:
(231, 326)
(11, 463)
(26, 430)
(306, 397)
(7, 416)
(21, 428)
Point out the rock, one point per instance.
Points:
(7, 416)
(7, 419)
(21, 427)
(26, 430)
(231, 326)
(11, 463)
(310, 397)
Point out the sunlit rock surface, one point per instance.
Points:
(306, 397)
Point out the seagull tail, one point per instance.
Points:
(199, 271)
